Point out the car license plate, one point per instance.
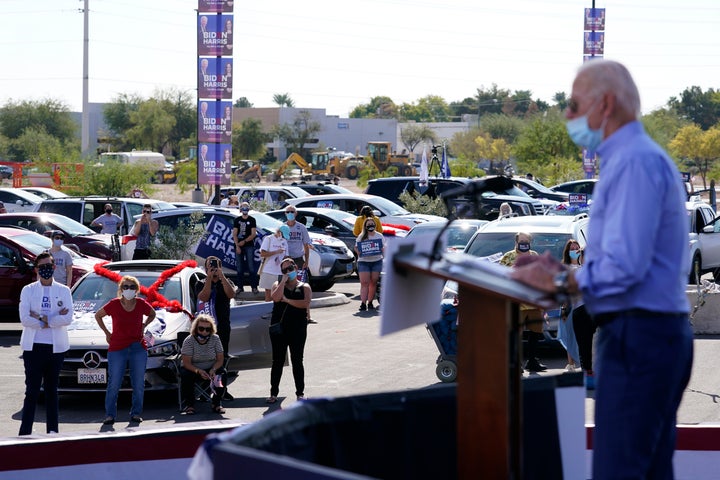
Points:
(349, 267)
(91, 375)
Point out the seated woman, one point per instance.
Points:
(202, 359)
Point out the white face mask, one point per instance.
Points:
(128, 294)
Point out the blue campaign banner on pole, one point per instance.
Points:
(216, 6)
(594, 43)
(215, 35)
(218, 242)
(215, 78)
(594, 19)
(214, 122)
(215, 163)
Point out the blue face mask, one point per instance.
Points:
(46, 271)
(290, 216)
(292, 275)
(582, 135)
(574, 254)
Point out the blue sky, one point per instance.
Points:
(338, 54)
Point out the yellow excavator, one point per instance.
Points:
(248, 171)
(322, 166)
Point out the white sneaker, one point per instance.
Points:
(570, 367)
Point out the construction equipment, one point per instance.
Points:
(381, 156)
(248, 171)
(323, 166)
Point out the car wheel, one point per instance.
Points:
(351, 172)
(321, 285)
(696, 270)
(446, 371)
(406, 171)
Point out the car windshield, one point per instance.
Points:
(70, 226)
(99, 289)
(489, 243)
(386, 206)
(456, 236)
(537, 186)
(37, 244)
(266, 222)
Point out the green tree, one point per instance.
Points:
(160, 123)
(296, 134)
(498, 125)
(152, 126)
(44, 149)
(543, 141)
(412, 135)
(50, 117)
(423, 204)
(561, 100)
(243, 102)
(702, 108)
(283, 100)
(662, 125)
(249, 141)
(491, 100)
(379, 107)
(700, 149)
(430, 108)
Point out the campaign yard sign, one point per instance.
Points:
(219, 243)
(370, 247)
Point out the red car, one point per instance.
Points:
(86, 240)
(18, 249)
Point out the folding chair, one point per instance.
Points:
(202, 389)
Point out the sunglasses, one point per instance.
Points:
(204, 329)
(129, 287)
(58, 238)
(290, 268)
(147, 211)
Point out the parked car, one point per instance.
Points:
(334, 223)
(87, 209)
(577, 186)
(87, 241)
(549, 233)
(482, 201)
(539, 191)
(274, 195)
(704, 237)
(455, 237)
(330, 259)
(18, 249)
(390, 213)
(85, 366)
(45, 192)
(18, 200)
(320, 188)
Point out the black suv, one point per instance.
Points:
(490, 194)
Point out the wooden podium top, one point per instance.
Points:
(469, 271)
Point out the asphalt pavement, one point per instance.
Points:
(344, 356)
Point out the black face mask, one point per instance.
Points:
(523, 247)
(370, 228)
(109, 210)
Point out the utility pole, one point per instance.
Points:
(85, 135)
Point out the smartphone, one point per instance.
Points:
(214, 264)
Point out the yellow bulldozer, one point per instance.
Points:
(381, 156)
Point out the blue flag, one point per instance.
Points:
(445, 166)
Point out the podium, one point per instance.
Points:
(489, 389)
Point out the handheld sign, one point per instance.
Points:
(370, 247)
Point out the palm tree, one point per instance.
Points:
(283, 100)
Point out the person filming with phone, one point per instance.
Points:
(144, 228)
(214, 294)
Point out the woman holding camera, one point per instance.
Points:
(214, 294)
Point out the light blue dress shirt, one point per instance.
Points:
(637, 248)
